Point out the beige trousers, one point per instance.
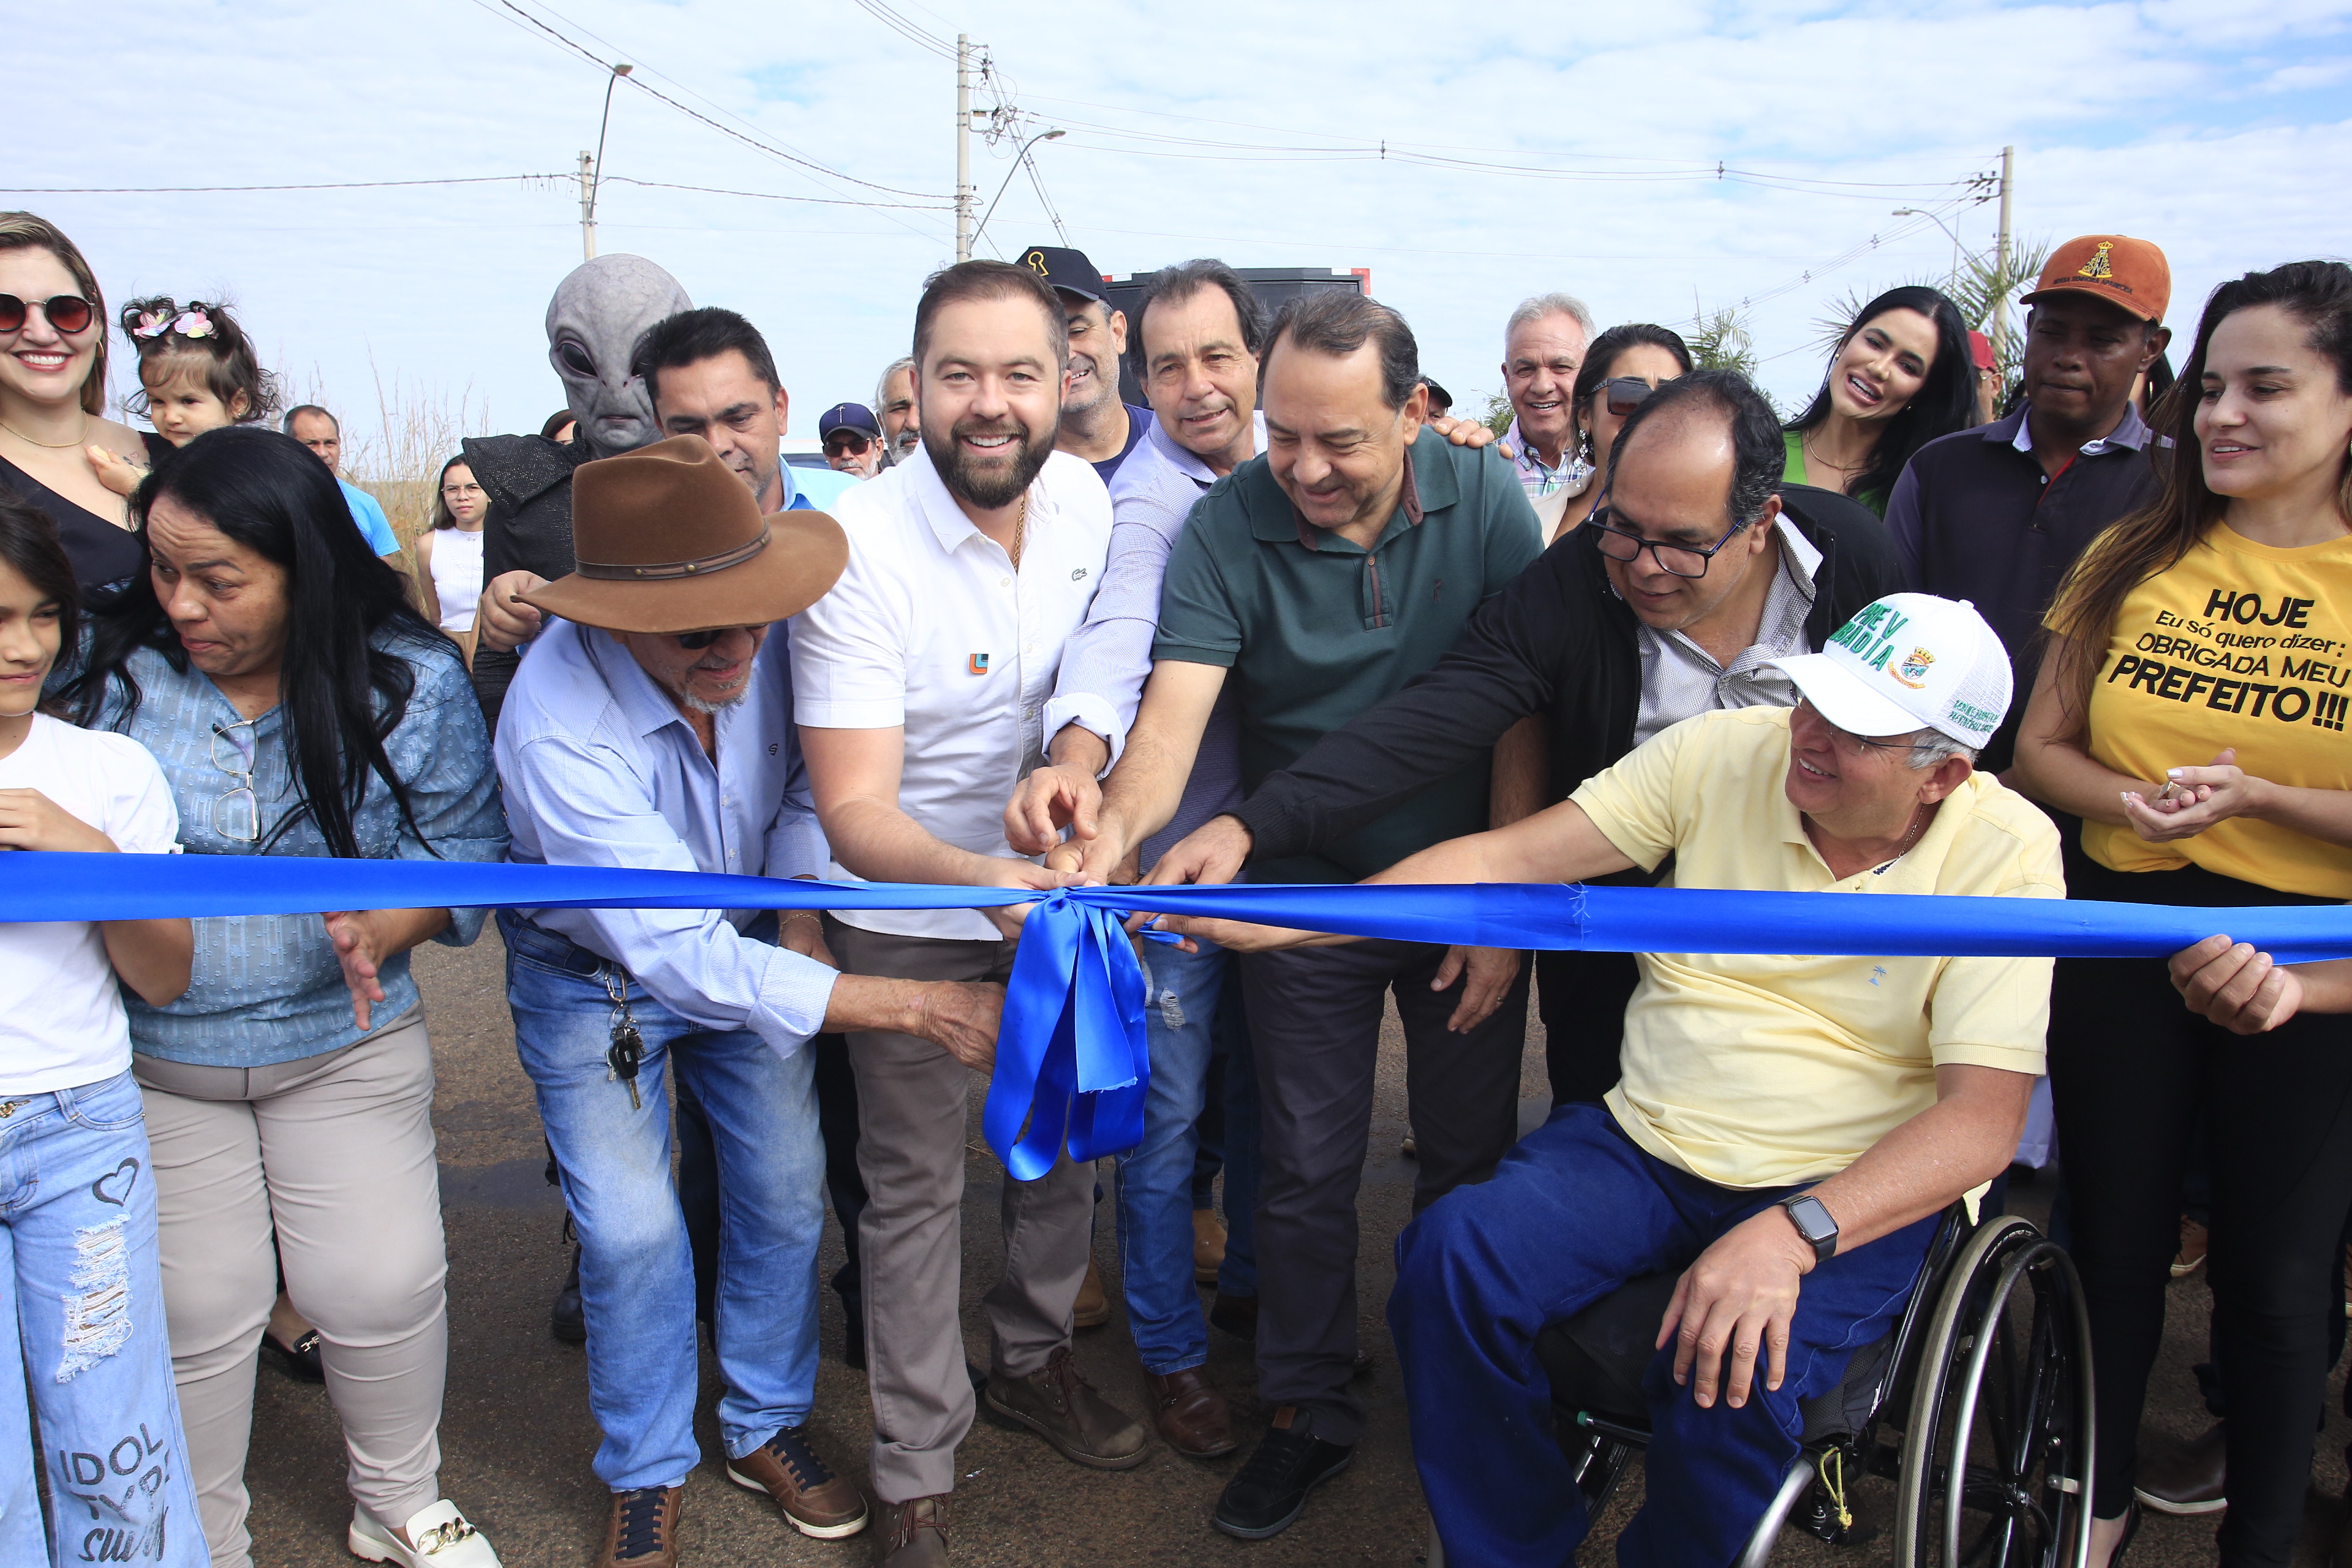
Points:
(335, 1153)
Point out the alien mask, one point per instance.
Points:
(600, 312)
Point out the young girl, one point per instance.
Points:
(81, 1294)
(449, 555)
(197, 372)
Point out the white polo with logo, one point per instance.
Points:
(931, 628)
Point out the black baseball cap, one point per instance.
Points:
(848, 417)
(1067, 271)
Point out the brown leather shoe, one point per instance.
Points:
(2187, 1477)
(918, 1533)
(1092, 1309)
(1192, 1415)
(643, 1531)
(1060, 1407)
(813, 1499)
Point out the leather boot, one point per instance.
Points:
(1191, 1414)
(1060, 1407)
(918, 1533)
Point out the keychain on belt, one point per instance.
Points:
(629, 1047)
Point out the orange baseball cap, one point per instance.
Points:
(2129, 273)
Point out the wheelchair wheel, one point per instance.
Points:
(1998, 1448)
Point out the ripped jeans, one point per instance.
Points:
(81, 1304)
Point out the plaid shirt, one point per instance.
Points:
(1534, 477)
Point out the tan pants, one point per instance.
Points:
(911, 1099)
(336, 1153)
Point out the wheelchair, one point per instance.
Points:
(1978, 1405)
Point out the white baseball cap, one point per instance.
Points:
(1906, 662)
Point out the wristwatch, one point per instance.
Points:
(1812, 1219)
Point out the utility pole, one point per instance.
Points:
(2000, 258)
(964, 147)
(587, 208)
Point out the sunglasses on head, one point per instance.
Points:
(842, 441)
(66, 312)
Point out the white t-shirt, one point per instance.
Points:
(457, 576)
(931, 627)
(61, 1018)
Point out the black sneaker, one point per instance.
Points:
(1270, 1492)
(567, 1320)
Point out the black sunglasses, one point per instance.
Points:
(842, 441)
(1625, 545)
(66, 312)
(695, 642)
(1626, 393)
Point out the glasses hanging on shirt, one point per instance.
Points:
(236, 814)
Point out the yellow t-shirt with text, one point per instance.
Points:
(1764, 1070)
(2239, 645)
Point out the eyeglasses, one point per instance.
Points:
(460, 493)
(838, 443)
(66, 312)
(1682, 559)
(236, 816)
(1626, 392)
(1853, 744)
(695, 642)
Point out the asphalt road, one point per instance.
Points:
(517, 1436)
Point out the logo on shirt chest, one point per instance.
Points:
(976, 664)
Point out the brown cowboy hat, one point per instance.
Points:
(667, 539)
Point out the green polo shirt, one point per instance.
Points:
(1316, 630)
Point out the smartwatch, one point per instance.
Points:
(1812, 1219)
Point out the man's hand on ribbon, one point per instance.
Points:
(1739, 1296)
(1008, 917)
(962, 1016)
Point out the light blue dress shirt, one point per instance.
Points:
(602, 769)
(268, 988)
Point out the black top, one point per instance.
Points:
(1139, 420)
(528, 481)
(103, 552)
(1558, 641)
(1973, 518)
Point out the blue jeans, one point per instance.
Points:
(81, 1307)
(1183, 992)
(1574, 1211)
(636, 1269)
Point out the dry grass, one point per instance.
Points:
(397, 458)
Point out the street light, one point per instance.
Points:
(1017, 157)
(1951, 278)
(591, 179)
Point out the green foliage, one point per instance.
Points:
(1498, 415)
(1721, 340)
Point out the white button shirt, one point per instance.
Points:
(931, 628)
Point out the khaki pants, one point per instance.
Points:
(335, 1153)
(911, 1101)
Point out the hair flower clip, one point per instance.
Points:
(152, 324)
(194, 325)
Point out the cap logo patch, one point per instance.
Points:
(2098, 266)
(976, 665)
(1035, 262)
(1912, 671)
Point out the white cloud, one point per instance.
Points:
(2127, 117)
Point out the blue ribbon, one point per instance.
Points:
(1072, 1055)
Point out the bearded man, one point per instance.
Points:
(920, 684)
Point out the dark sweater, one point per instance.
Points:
(1558, 641)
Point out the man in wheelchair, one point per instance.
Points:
(1788, 1129)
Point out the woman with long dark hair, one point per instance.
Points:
(1623, 367)
(449, 555)
(1901, 376)
(2188, 713)
(298, 707)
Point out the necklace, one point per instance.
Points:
(1020, 532)
(1919, 820)
(51, 446)
(1814, 458)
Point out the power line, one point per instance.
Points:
(322, 185)
(911, 31)
(771, 196)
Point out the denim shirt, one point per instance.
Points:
(268, 988)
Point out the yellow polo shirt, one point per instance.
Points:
(1755, 1070)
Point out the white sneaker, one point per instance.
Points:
(444, 1540)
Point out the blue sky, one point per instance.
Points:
(1569, 147)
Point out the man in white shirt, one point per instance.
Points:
(920, 684)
